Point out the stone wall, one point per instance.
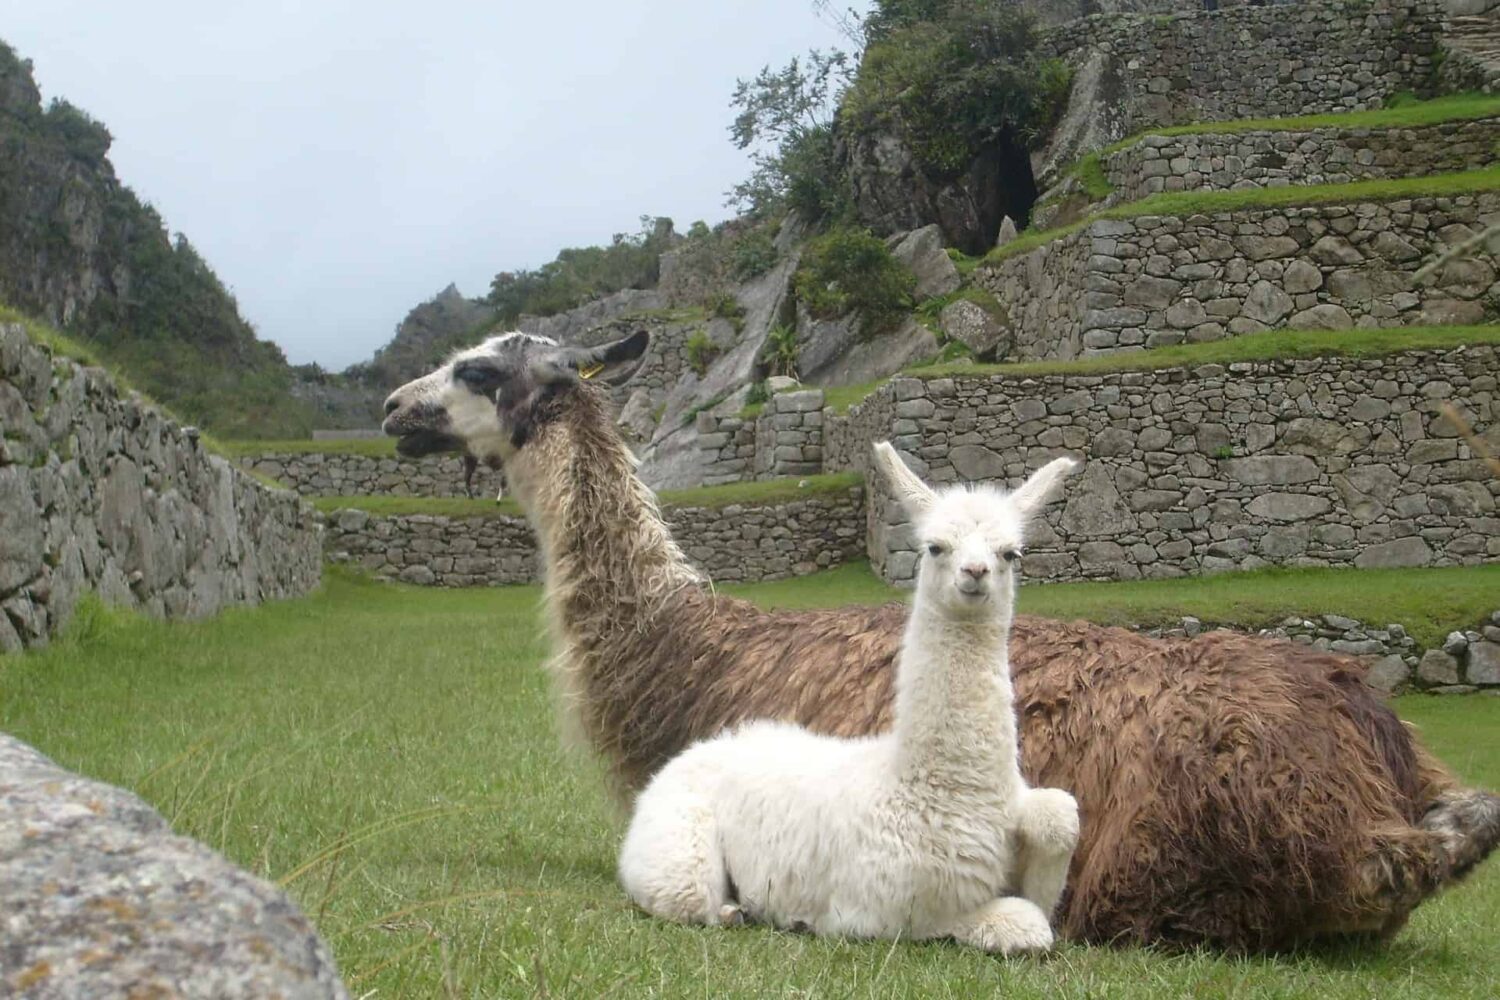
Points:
(737, 543)
(1154, 280)
(789, 435)
(1322, 462)
(100, 492)
(1220, 161)
(1261, 61)
(335, 474)
(726, 447)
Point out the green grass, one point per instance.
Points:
(1408, 114)
(1264, 346)
(1453, 108)
(390, 754)
(1208, 202)
(766, 491)
(381, 447)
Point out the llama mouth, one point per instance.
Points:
(416, 444)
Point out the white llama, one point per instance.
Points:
(927, 831)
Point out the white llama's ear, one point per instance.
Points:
(915, 495)
(1034, 494)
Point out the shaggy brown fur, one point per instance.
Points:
(1235, 792)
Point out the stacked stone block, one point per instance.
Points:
(1261, 61)
(740, 542)
(1156, 280)
(789, 435)
(1207, 161)
(99, 492)
(1323, 462)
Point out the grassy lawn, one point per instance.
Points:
(389, 754)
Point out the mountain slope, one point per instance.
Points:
(80, 250)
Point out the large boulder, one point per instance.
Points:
(972, 325)
(923, 253)
(891, 192)
(101, 900)
(835, 352)
(1095, 116)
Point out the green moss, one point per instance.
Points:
(768, 491)
(1209, 202)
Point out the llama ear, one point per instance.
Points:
(613, 362)
(1034, 494)
(915, 495)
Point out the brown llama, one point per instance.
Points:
(1235, 792)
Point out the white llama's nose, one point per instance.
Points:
(977, 571)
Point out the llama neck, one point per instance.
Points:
(955, 714)
(609, 560)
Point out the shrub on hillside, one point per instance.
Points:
(954, 78)
(852, 270)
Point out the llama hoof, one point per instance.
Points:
(731, 916)
(1014, 926)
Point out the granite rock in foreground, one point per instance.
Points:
(98, 898)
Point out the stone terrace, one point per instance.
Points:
(1202, 161)
(1147, 281)
(1323, 462)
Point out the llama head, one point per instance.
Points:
(487, 401)
(970, 536)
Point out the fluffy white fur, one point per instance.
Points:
(927, 831)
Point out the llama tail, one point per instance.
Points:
(1467, 822)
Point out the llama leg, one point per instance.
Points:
(671, 866)
(1049, 831)
(1009, 925)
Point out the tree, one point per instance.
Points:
(789, 114)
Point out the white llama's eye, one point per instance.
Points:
(1010, 555)
(934, 549)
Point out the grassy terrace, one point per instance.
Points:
(1268, 345)
(389, 754)
(765, 492)
(1210, 202)
(1407, 114)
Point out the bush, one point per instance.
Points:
(701, 351)
(723, 305)
(754, 254)
(780, 352)
(852, 270)
(954, 78)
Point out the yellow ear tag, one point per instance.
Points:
(589, 371)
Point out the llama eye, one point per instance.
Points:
(1010, 555)
(935, 549)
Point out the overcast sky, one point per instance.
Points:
(338, 162)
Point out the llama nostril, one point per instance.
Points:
(977, 570)
(391, 405)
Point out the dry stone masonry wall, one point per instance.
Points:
(740, 542)
(1224, 161)
(1156, 280)
(1261, 61)
(1325, 462)
(334, 474)
(100, 492)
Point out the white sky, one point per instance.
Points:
(338, 162)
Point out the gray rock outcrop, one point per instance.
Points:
(101, 900)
